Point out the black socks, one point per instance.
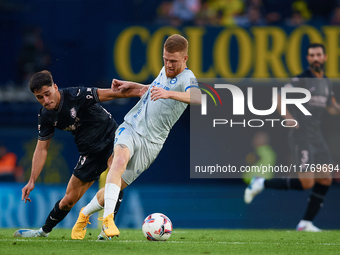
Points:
(119, 202)
(55, 216)
(315, 201)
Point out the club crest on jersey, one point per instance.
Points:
(73, 112)
(173, 80)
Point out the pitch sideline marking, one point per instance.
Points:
(179, 242)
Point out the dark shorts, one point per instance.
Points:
(309, 151)
(89, 168)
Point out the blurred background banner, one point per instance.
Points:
(226, 52)
(135, 52)
(90, 42)
(188, 206)
(98, 40)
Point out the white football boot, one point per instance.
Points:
(30, 233)
(308, 226)
(255, 187)
(103, 237)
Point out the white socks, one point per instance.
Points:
(92, 207)
(110, 198)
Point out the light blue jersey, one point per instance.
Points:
(154, 119)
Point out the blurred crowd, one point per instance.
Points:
(9, 170)
(247, 13)
(33, 55)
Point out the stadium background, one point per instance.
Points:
(90, 42)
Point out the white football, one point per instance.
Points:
(157, 227)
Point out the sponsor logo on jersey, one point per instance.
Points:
(157, 84)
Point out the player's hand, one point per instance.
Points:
(158, 93)
(116, 84)
(119, 85)
(143, 90)
(26, 192)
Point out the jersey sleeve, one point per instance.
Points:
(189, 81)
(46, 129)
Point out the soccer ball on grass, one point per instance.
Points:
(157, 227)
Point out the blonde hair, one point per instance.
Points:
(176, 43)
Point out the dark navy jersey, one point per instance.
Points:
(321, 90)
(80, 113)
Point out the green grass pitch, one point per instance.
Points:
(182, 241)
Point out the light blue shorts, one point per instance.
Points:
(142, 152)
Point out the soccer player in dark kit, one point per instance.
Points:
(77, 110)
(306, 141)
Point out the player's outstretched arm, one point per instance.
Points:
(125, 85)
(109, 94)
(120, 89)
(38, 162)
(191, 96)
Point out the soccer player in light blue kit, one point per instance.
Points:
(142, 135)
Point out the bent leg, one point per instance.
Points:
(97, 202)
(74, 191)
(113, 179)
(119, 163)
(112, 189)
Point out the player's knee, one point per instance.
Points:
(307, 183)
(66, 203)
